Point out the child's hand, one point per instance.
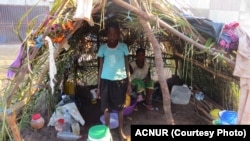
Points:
(98, 93)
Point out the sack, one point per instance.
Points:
(166, 73)
(206, 27)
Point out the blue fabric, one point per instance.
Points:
(39, 42)
(114, 61)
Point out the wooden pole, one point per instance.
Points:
(159, 67)
(11, 119)
(151, 17)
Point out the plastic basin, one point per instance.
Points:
(228, 117)
(114, 123)
(128, 110)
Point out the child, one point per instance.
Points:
(114, 75)
(140, 75)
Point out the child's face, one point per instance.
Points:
(140, 56)
(113, 35)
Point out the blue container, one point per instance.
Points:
(228, 117)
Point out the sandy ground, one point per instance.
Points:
(183, 115)
(8, 54)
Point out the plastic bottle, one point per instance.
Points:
(67, 121)
(93, 96)
(199, 95)
(75, 127)
(67, 136)
(59, 125)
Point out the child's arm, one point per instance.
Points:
(128, 74)
(99, 76)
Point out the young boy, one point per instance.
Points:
(114, 75)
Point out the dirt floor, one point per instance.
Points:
(183, 115)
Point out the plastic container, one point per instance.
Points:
(37, 121)
(228, 117)
(69, 87)
(199, 96)
(67, 136)
(67, 121)
(215, 113)
(128, 110)
(59, 125)
(99, 133)
(127, 100)
(180, 95)
(114, 123)
(216, 122)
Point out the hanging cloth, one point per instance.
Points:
(242, 70)
(17, 63)
(83, 11)
(52, 66)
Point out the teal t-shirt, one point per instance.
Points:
(114, 61)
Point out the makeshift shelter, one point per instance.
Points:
(69, 37)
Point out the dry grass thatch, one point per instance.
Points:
(144, 23)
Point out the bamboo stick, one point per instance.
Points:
(200, 110)
(207, 69)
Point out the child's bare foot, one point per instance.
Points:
(124, 137)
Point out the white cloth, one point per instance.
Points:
(52, 64)
(83, 11)
(73, 110)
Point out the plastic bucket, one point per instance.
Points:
(99, 133)
(228, 117)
